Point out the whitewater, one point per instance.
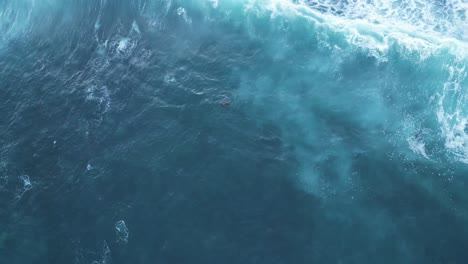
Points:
(248, 131)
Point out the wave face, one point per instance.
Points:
(233, 131)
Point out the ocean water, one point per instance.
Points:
(233, 131)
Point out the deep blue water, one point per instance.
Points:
(233, 131)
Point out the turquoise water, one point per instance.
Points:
(260, 131)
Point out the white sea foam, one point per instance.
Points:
(448, 18)
(417, 146)
(183, 13)
(105, 255)
(452, 114)
(26, 186)
(121, 231)
(100, 95)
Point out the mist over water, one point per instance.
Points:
(251, 131)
